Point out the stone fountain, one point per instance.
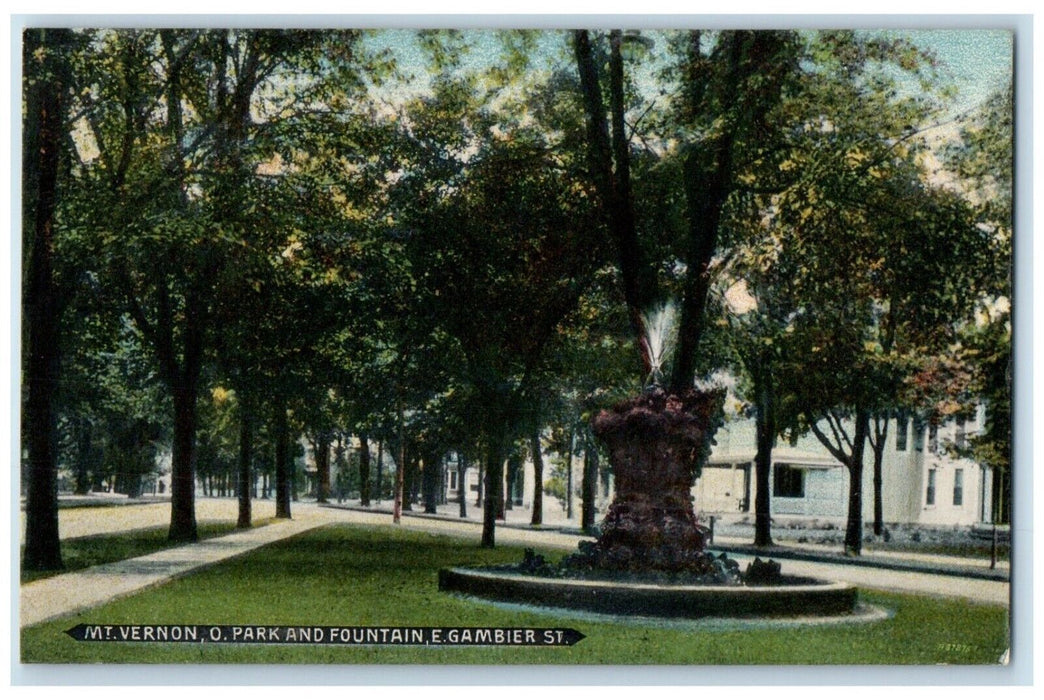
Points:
(655, 443)
(651, 558)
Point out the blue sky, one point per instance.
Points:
(979, 62)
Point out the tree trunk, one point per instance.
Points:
(514, 465)
(481, 483)
(765, 424)
(854, 528)
(134, 486)
(282, 457)
(400, 467)
(183, 467)
(708, 183)
(246, 456)
(494, 489)
(322, 467)
(364, 470)
(538, 479)
(339, 465)
(379, 485)
(84, 449)
(43, 136)
(614, 187)
(409, 481)
(569, 476)
(501, 498)
(878, 502)
(1001, 486)
(878, 445)
(431, 477)
(462, 473)
(588, 488)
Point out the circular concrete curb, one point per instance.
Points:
(863, 613)
(801, 597)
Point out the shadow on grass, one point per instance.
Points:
(80, 553)
(366, 552)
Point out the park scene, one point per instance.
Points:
(686, 347)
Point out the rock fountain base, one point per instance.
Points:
(650, 557)
(655, 442)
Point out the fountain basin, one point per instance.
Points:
(793, 597)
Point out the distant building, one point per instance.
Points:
(922, 483)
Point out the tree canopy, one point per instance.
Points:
(236, 237)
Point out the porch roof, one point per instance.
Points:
(787, 455)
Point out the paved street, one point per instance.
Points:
(90, 520)
(60, 595)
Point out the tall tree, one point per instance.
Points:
(499, 241)
(727, 93)
(45, 82)
(833, 149)
(513, 210)
(758, 334)
(730, 99)
(193, 165)
(983, 160)
(897, 288)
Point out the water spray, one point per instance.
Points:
(661, 336)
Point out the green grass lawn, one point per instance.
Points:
(83, 552)
(342, 575)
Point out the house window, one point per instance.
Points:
(929, 498)
(960, 434)
(788, 482)
(902, 422)
(918, 434)
(933, 438)
(958, 487)
(453, 480)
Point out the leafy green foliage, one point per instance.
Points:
(272, 214)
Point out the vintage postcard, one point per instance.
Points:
(661, 344)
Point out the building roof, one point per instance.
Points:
(786, 455)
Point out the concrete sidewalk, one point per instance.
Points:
(64, 594)
(893, 561)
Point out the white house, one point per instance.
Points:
(921, 482)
